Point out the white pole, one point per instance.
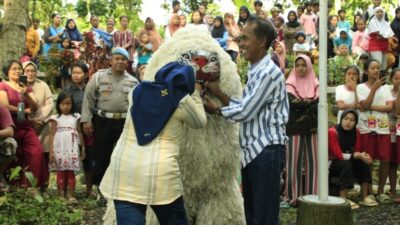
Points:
(323, 105)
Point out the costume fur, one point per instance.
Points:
(209, 157)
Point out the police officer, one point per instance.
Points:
(104, 108)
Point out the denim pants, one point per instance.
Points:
(261, 186)
(129, 213)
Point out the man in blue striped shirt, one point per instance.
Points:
(263, 113)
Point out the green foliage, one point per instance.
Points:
(191, 5)
(336, 67)
(22, 208)
(243, 67)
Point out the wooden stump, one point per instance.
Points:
(335, 211)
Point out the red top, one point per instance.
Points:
(376, 44)
(5, 118)
(335, 151)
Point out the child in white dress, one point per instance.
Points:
(65, 142)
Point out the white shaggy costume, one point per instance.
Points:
(209, 157)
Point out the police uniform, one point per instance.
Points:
(105, 104)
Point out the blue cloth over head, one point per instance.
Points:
(155, 102)
(120, 51)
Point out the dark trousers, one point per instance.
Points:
(106, 135)
(129, 213)
(261, 186)
(349, 171)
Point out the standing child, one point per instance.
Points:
(376, 102)
(308, 20)
(360, 39)
(67, 56)
(66, 136)
(79, 74)
(379, 32)
(302, 87)
(301, 46)
(345, 94)
(395, 132)
(144, 50)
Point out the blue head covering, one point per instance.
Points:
(120, 51)
(72, 34)
(155, 102)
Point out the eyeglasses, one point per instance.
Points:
(16, 69)
(29, 71)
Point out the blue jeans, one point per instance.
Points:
(261, 186)
(129, 213)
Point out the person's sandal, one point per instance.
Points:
(384, 199)
(369, 201)
(353, 205)
(4, 187)
(72, 200)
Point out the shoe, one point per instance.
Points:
(72, 200)
(4, 187)
(353, 205)
(368, 201)
(284, 205)
(384, 199)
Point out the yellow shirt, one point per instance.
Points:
(32, 42)
(150, 174)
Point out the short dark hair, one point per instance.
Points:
(258, 3)
(263, 29)
(175, 3)
(340, 11)
(81, 65)
(123, 16)
(36, 20)
(8, 64)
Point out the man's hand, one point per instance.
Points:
(213, 88)
(210, 106)
(88, 129)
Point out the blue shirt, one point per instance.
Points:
(262, 112)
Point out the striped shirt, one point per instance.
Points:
(262, 112)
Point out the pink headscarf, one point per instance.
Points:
(306, 87)
(281, 57)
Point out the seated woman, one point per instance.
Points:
(21, 102)
(143, 169)
(348, 161)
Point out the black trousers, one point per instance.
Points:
(348, 171)
(106, 134)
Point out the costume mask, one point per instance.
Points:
(206, 64)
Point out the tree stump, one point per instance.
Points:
(312, 211)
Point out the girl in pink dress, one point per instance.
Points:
(66, 139)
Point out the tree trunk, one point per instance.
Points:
(12, 35)
(315, 213)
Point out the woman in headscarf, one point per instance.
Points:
(395, 25)
(303, 91)
(279, 55)
(151, 30)
(143, 170)
(209, 21)
(244, 14)
(348, 160)
(71, 31)
(233, 33)
(379, 31)
(53, 34)
(343, 39)
(219, 32)
(174, 25)
(290, 30)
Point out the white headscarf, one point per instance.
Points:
(380, 26)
